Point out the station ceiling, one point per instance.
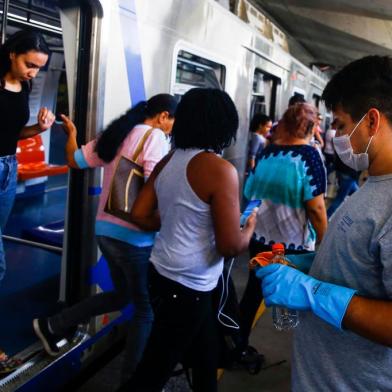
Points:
(333, 32)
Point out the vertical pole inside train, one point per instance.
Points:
(4, 21)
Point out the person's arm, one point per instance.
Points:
(336, 305)
(45, 120)
(370, 318)
(254, 146)
(144, 211)
(318, 137)
(30, 131)
(215, 181)
(71, 145)
(317, 214)
(225, 209)
(251, 163)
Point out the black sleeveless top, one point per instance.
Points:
(14, 114)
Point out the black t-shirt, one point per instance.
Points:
(14, 114)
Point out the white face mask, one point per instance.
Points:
(345, 151)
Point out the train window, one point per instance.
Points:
(33, 235)
(34, 13)
(316, 100)
(264, 93)
(259, 105)
(196, 71)
(299, 95)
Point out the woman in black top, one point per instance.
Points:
(21, 58)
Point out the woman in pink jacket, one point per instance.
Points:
(125, 246)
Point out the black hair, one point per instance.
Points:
(296, 98)
(112, 137)
(20, 42)
(360, 86)
(258, 119)
(207, 119)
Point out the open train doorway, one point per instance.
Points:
(33, 236)
(33, 233)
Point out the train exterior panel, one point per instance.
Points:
(207, 33)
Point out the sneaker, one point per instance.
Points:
(251, 360)
(71, 334)
(47, 338)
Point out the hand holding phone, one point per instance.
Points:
(248, 210)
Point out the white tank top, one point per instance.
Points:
(184, 249)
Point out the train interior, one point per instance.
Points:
(33, 236)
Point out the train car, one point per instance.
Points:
(106, 56)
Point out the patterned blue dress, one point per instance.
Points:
(285, 178)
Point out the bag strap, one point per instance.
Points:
(140, 146)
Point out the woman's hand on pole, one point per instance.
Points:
(69, 126)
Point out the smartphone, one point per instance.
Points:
(248, 210)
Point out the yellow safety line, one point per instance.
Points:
(259, 313)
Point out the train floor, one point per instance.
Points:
(274, 376)
(31, 283)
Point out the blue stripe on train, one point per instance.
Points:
(100, 273)
(133, 57)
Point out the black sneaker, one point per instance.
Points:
(47, 338)
(70, 334)
(250, 359)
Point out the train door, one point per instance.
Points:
(264, 93)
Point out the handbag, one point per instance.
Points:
(127, 180)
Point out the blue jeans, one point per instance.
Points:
(128, 266)
(347, 186)
(8, 178)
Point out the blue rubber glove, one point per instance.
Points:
(285, 286)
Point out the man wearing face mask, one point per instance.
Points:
(344, 339)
